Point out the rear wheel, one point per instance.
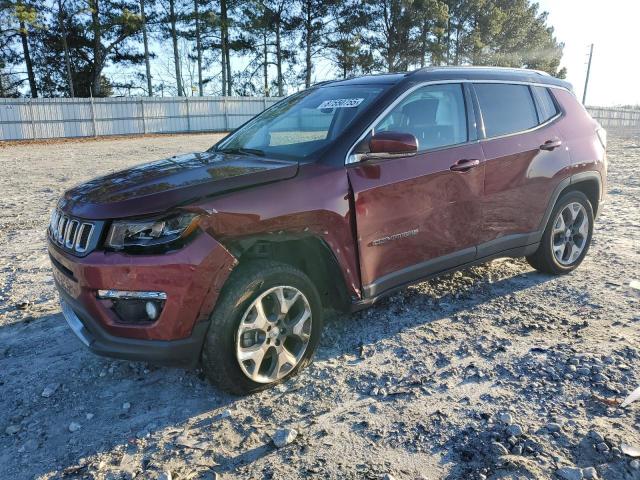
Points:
(567, 236)
(264, 329)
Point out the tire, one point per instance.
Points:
(231, 334)
(561, 260)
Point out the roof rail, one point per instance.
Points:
(480, 67)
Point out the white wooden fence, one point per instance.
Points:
(24, 119)
(622, 120)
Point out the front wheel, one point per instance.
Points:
(567, 236)
(264, 329)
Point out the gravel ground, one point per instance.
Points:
(493, 372)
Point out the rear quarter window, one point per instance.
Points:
(506, 108)
(546, 105)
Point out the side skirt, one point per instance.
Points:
(378, 294)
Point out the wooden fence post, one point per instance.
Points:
(226, 114)
(186, 99)
(93, 118)
(33, 120)
(144, 122)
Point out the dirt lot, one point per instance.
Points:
(494, 372)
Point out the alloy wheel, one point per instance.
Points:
(274, 334)
(569, 234)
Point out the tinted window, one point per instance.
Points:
(506, 108)
(435, 114)
(546, 106)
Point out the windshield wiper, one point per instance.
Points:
(246, 151)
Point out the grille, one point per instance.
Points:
(71, 234)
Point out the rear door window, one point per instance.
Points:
(546, 106)
(506, 108)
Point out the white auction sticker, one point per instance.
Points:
(341, 103)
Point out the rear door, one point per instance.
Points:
(524, 157)
(415, 215)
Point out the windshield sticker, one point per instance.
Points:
(340, 103)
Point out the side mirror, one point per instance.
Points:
(392, 145)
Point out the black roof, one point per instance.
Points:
(459, 73)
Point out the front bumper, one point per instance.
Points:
(181, 353)
(191, 277)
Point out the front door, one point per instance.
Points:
(420, 214)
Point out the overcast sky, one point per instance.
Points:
(614, 27)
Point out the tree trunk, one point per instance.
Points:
(65, 47)
(279, 60)
(224, 32)
(423, 44)
(223, 65)
(96, 86)
(198, 46)
(27, 59)
(176, 53)
(145, 41)
(265, 63)
(308, 45)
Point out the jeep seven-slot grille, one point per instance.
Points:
(71, 234)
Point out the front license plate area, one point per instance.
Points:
(68, 285)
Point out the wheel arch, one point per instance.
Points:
(589, 183)
(308, 253)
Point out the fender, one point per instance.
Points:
(562, 186)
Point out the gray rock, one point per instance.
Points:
(12, 429)
(505, 417)
(635, 464)
(284, 437)
(590, 473)
(126, 406)
(553, 427)
(517, 450)
(570, 473)
(596, 436)
(602, 447)
(50, 390)
(583, 371)
(515, 430)
(498, 449)
(74, 427)
(600, 378)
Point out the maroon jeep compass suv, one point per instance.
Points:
(332, 198)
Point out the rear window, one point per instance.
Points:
(506, 108)
(546, 106)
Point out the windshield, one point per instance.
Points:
(303, 123)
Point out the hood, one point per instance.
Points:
(159, 186)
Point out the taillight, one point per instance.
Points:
(602, 136)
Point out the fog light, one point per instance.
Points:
(152, 310)
(133, 307)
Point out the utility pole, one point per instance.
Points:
(586, 81)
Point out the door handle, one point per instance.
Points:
(550, 145)
(464, 165)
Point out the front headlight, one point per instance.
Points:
(147, 233)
